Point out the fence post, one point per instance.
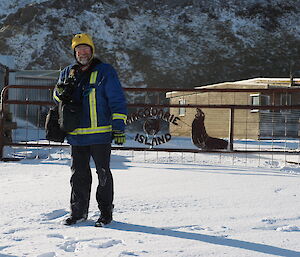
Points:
(2, 122)
(1, 133)
(231, 125)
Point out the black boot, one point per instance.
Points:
(105, 217)
(73, 220)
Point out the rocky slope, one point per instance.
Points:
(159, 43)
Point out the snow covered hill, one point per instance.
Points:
(159, 43)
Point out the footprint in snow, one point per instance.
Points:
(50, 254)
(71, 245)
(55, 236)
(128, 253)
(288, 228)
(106, 244)
(269, 221)
(12, 231)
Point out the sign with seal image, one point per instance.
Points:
(152, 120)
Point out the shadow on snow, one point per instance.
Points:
(256, 247)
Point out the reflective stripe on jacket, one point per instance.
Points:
(103, 105)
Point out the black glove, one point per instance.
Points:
(118, 137)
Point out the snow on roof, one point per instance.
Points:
(258, 82)
(255, 83)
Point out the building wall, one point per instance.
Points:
(251, 124)
(246, 122)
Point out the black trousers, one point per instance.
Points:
(81, 179)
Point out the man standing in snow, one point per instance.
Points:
(94, 87)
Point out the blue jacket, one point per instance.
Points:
(103, 105)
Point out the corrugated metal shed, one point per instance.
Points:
(35, 114)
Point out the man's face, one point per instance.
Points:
(83, 54)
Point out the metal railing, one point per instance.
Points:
(154, 97)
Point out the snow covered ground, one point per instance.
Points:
(165, 205)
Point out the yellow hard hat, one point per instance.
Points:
(83, 39)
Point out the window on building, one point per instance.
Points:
(258, 99)
(264, 100)
(285, 99)
(182, 109)
(254, 99)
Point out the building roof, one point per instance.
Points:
(254, 83)
(38, 74)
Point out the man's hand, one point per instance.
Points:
(119, 137)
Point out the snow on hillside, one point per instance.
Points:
(162, 208)
(8, 7)
(158, 43)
